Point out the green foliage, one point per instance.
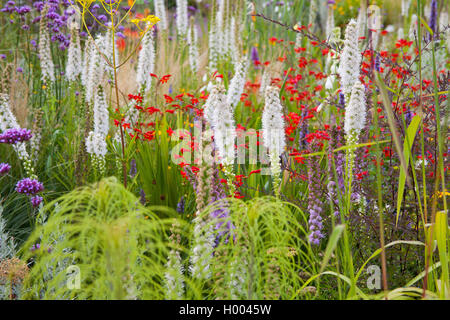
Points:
(117, 244)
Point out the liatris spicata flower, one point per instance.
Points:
(233, 48)
(36, 201)
(182, 17)
(96, 68)
(298, 43)
(14, 135)
(4, 168)
(265, 81)
(330, 19)
(88, 47)
(350, 59)
(146, 63)
(109, 50)
(313, 11)
(220, 31)
(74, 64)
(400, 34)
(133, 168)
(29, 186)
(96, 140)
(335, 167)
(45, 54)
(101, 113)
(314, 198)
(203, 248)
(174, 275)
(180, 205)
(237, 84)
(222, 122)
(142, 197)
(355, 118)
(443, 21)
(274, 138)
(254, 55)
(413, 27)
(192, 39)
(433, 17)
(160, 11)
(213, 50)
(8, 121)
(355, 113)
(362, 19)
(220, 116)
(405, 7)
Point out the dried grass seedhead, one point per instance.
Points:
(13, 270)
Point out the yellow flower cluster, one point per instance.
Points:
(150, 21)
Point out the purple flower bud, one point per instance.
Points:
(4, 168)
(36, 201)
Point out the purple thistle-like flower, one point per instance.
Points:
(4, 168)
(29, 186)
(14, 135)
(35, 247)
(36, 201)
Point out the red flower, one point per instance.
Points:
(169, 99)
(165, 79)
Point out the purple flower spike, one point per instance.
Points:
(255, 55)
(13, 136)
(180, 205)
(29, 186)
(4, 168)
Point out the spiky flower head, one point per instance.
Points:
(350, 59)
(146, 62)
(355, 112)
(182, 17)
(273, 122)
(238, 82)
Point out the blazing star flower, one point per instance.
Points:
(433, 16)
(45, 55)
(74, 62)
(182, 17)
(273, 132)
(355, 113)
(237, 84)
(146, 61)
(350, 59)
(192, 39)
